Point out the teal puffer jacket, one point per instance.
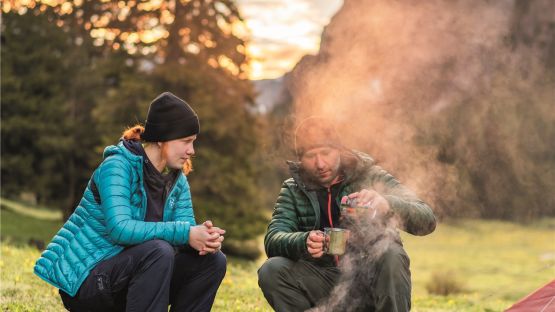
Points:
(96, 232)
(297, 211)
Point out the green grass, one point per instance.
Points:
(21, 290)
(41, 213)
(18, 229)
(498, 263)
(239, 290)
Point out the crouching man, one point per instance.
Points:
(298, 274)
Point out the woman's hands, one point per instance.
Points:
(206, 238)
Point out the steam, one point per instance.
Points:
(369, 239)
(455, 98)
(448, 95)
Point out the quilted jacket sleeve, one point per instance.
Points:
(283, 237)
(417, 217)
(184, 210)
(113, 182)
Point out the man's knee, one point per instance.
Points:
(270, 272)
(393, 286)
(395, 259)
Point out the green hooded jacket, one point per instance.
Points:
(297, 211)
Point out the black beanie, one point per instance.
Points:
(169, 118)
(315, 131)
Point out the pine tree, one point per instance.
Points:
(41, 69)
(140, 49)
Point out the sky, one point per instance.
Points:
(282, 31)
(279, 32)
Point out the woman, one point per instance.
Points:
(116, 252)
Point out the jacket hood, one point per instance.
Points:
(122, 150)
(353, 165)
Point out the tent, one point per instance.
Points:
(541, 300)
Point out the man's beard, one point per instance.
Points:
(328, 179)
(325, 180)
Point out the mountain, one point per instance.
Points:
(270, 93)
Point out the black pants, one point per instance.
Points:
(382, 285)
(149, 277)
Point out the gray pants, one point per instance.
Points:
(380, 285)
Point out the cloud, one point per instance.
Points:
(283, 31)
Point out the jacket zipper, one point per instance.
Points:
(329, 207)
(335, 258)
(168, 198)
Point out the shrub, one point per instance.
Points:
(444, 283)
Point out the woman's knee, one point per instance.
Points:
(160, 248)
(219, 263)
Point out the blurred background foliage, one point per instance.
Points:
(76, 73)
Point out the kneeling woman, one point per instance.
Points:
(132, 243)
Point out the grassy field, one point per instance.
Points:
(498, 263)
(495, 263)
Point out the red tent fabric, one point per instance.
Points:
(541, 300)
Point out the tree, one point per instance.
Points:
(138, 50)
(223, 180)
(165, 31)
(38, 77)
(199, 58)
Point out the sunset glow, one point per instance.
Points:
(281, 32)
(278, 32)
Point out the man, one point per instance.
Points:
(298, 275)
(117, 251)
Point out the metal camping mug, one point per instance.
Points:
(335, 241)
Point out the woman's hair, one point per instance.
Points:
(134, 134)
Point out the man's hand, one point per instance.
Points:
(315, 244)
(206, 238)
(373, 200)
